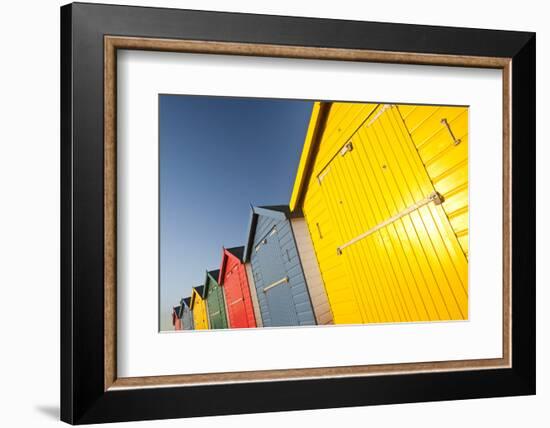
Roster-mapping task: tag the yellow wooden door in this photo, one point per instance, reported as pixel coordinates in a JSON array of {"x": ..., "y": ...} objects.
[
  {"x": 199, "y": 314},
  {"x": 440, "y": 135},
  {"x": 398, "y": 247}
]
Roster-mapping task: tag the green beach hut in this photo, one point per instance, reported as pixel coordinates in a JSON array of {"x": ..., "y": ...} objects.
[{"x": 215, "y": 301}]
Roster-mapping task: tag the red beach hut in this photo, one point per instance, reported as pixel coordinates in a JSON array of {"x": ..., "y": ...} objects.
[
  {"x": 176, "y": 320},
  {"x": 233, "y": 279}
]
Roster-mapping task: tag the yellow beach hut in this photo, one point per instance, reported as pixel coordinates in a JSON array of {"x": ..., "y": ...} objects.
[
  {"x": 384, "y": 192},
  {"x": 198, "y": 307}
]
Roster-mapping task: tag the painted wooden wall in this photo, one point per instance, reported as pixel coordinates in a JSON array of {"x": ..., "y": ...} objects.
[
  {"x": 176, "y": 321},
  {"x": 254, "y": 295},
  {"x": 187, "y": 319},
  {"x": 217, "y": 315},
  {"x": 373, "y": 162},
  {"x": 186, "y": 315},
  {"x": 200, "y": 316},
  {"x": 310, "y": 266},
  {"x": 275, "y": 257},
  {"x": 446, "y": 163},
  {"x": 240, "y": 312}
]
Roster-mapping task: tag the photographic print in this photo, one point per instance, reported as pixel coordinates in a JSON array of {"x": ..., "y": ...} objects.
[
  {"x": 300, "y": 192},
  {"x": 288, "y": 213}
]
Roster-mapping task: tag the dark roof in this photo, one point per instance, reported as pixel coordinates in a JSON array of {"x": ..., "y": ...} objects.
[
  {"x": 237, "y": 252},
  {"x": 207, "y": 281},
  {"x": 279, "y": 212},
  {"x": 183, "y": 303},
  {"x": 214, "y": 274},
  {"x": 280, "y": 208},
  {"x": 200, "y": 290}
]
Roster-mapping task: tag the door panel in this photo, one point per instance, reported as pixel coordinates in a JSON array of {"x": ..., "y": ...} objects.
[
  {"x": 413, "y": 268},
  {"x": 337, "y": 281},
  {"x": 246, "y": 308},
  {"x": 216, "y": 307},
  {"x": 278, "y": 297},
  {"x": 445, "y": 158},
  {"x": 213, "y": 309},
  {"x": 199, "y": 315},
  {"x": 235, "y": 298}
]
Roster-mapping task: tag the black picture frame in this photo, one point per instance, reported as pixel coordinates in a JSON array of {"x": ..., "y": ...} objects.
[{"x": 83, "y": 398}]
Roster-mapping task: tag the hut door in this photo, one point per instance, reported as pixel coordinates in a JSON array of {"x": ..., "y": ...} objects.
[
  {"x": 217, "y": 315},
  {"x": 235, "y": 298},
  {"x": 188, "y": 319},
  {"x": 397, "y": 243},
  {"x": 245, "y": 296},
  {"x": 275, "y": 284},
  {"x": 201, "y": 315}
]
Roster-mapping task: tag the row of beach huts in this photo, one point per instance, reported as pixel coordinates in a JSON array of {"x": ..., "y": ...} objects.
[{"x": 376, "y": 229}]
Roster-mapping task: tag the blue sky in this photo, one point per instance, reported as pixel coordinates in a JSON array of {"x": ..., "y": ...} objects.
[{"x": 218, "y": 155}]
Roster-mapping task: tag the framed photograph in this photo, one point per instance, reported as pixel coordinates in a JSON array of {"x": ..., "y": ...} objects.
[{"x": 291, "y": 213}]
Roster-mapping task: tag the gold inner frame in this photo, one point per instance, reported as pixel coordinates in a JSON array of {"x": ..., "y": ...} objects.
[{"x": 113, "y": 43}]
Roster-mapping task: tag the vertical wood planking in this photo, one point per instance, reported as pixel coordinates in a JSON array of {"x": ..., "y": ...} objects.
[
  {"x": 282, "y": 241},
  {"x": 200, "y": 316},
  {"x": 315, "y": 285},
  {"x": 415, "y": 268},
  {"x": 254, "y": 295},
  {"x": 446, "y": 163},
  {"x": 238, "y": 300}
]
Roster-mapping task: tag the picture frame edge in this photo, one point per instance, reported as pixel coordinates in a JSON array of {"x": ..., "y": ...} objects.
[{"x": 83, "y": 403}]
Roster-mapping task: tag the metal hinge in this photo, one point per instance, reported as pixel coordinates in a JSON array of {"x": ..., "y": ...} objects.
[
  {"x": 348, "y": 147},
  {"x": 434, "y": 197}
]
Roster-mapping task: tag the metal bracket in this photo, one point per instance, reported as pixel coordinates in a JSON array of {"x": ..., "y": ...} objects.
[
  {"x": 323, "y": 174},
  {"x": 262, "y": 242},
  {"x": 348, "y": 147},
  {"x": 456, "y": 141},
  {"x": 434, "y": 197},
  {"x": 276, "y": 283}
]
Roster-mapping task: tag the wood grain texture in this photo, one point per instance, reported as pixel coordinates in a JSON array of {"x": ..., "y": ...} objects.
[
  {"x": 413, "y": 269},
  {"x": 507, "y": 214},
  {"x": 112, "y": 43},
  {"x": 297, "y": 374},
  {"x": 264, "y": 50},
  {"x": 314, "y": 281},
  {"x": 110, "y": 221}
]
